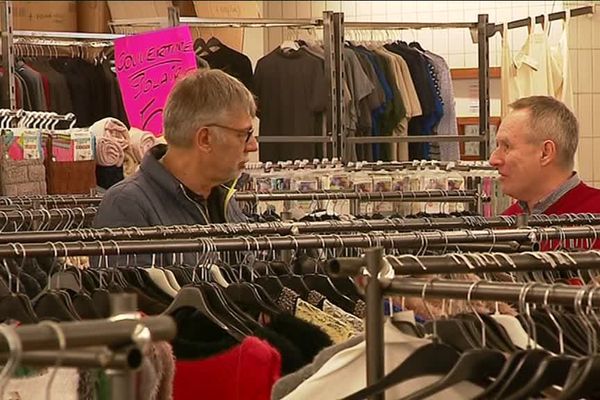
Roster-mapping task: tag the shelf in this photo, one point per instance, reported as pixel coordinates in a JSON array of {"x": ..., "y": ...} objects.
[{"x": 473, "y": 73}]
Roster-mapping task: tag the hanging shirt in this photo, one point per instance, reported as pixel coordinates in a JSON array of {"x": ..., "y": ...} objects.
[
  {"x": 292, "y": 95},
  {"x": 232, "y": 62},
  {"x": 447, "y": 124}
]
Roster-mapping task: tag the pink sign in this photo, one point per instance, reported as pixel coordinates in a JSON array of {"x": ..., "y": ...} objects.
[{"x": 147, "y": 67}]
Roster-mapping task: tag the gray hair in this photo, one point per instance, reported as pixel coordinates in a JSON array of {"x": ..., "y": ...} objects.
[
  {"x": 550, "y": 119},
  {"x": 201, "y": 98}
]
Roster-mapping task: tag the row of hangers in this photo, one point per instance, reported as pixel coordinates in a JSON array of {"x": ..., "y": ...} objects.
[{"x": 477, "y": 348}]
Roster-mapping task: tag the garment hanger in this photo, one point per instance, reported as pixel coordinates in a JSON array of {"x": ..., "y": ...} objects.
[
  {"x": 252, "y": 297},
  {"x": 582, "y": 381},
  {"x": 54, "y": 304},
  {"x": 519, "y": 363},
  {"x": 15, "y": 306},
  {"x": 323, "y": 284},
  {"x": 434, "y": 358},
  {"x": 553, "y": 370},
  {"x": 475, "y": 365},
  {"x": 15, "y": 347}
]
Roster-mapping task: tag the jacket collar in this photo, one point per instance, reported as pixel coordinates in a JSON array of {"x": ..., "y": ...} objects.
[{"x": 152, "y": 168}]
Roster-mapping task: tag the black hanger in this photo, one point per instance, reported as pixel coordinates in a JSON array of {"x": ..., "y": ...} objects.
[
  {"x": 553, "y": 371},
  {"x": 54, "y": 305},
  {"x": 476, "y": 366},
  {"x": 213, "y": 42},
  {"x": 582, "y": 381},
  {"x": 453, "y": 333},
  {"x": 522, "y": 373},
  {"x": 17, "y": 306},
  {"x": 221, "y": 305},
  {"x": 247, "y": 296},
  {"x": 194, "y": 297},
  {"x": 430, "y": 359},
  {"x": 509, "y": 366},
  {"x": 200, "y": 46}
]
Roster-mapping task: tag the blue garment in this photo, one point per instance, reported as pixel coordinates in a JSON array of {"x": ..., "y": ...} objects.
[{"x": 389, "y": 96}]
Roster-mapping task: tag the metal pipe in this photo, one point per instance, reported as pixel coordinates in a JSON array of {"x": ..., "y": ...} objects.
[
  {"x": 374, "y": 320},
  {"x": 293, "y": 228},
  {"x": 386, "y": 240},
  {"x": 88, "y": 333},
  {"x": 483, "y": 52},
  {"x": 575, "y": 12},
  {"x": 472, "y": 263},
  {"x": 488, "y": 291},
  {"x": 408, "y": 25},
  {"x": 413, "y": 139},
  {"x": 411, "y": 196},
  {"x": 128, "y": 358},
  {"x": 122, "y": 305}
]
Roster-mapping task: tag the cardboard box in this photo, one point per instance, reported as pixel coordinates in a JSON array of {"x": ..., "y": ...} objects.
[
  {"x": 186, "y": 8},
  {"x": 138, "y": 9},
  {"x": 232, "y": 37},
  {"x": 93, "y": 16},
  {"x": 45, "y": 16}
]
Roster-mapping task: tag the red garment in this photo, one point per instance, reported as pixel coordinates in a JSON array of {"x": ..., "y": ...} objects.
[
  {"x": 581, "y": 199},
  {"x": 245, "y": 372}
]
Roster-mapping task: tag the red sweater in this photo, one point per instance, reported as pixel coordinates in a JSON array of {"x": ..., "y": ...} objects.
[
  {"x": 245, "y": 372},
  {"x": 581, "y": 199}
]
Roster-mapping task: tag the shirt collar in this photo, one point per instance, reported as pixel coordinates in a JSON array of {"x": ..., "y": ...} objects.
[{"x": 553, "y": 197}]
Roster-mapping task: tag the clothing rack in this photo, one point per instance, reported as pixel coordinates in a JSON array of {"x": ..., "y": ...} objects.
[
  {"x": 412, "y": 240},
  {"x": 332, "y": 64},
  {"x": 293, "y": 228},
  {"x": 483, "y": 28},
  {"x": 115, "y": 344},
  {"x": 34, "y": 119},
  {"x": 540, "y": 19},
  {"x": 428, "y": 195},
  {"x": 375, "y": 289}
]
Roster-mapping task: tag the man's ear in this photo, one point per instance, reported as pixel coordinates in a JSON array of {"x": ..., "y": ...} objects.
[
  {"x": 548, "y": 152},
  {"x": 203, "y": 139}
]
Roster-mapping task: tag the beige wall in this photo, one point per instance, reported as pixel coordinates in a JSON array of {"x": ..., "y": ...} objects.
[{"x": 584, "y": 44}]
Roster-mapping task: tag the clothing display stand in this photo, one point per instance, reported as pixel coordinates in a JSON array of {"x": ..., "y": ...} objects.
[
  {"x": 483, "y": 34},
  {"x": 376, "y": 287},
  {"x": 332, "y": 62},
  {"x": 408, "y": 240},
  {"x": 115, "y": 344}
]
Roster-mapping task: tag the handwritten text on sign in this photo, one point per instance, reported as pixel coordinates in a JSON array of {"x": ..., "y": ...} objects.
[{"x": 147, "y": 67}]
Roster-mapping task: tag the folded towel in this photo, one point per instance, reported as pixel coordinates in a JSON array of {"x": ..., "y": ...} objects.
[
  {"x": 140, "y": 143},
  {"x": 112, "y": 138}
]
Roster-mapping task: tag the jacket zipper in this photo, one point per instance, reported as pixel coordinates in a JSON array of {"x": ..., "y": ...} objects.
[{"x": 204, "y": 214}]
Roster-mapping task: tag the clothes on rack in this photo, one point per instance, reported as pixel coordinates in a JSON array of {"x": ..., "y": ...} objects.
[
  {"x": 69, "y": 85},
  {"x": 538, "y": 68},
  {"x": 291, "y": 94},
  {"x": 220, "y": 56},
  {"x": 410, "y": 93}
]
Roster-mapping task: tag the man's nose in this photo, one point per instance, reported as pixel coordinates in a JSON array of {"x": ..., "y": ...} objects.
[
  {"x": 251, "y": 145},
  {"x": 495, "y": 159}
]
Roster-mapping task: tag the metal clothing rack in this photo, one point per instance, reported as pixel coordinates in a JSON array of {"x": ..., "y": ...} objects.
[
  {"x": 332, "y": 67},
  {"x": 484, "y": 31},
  {"x": 115, "y": 344},
  {"x": 375, "y": 288},
  {"x": 540, "y": 19},
  {"x": 204, "y": 245},
  {"x": 297, "y": 228}
]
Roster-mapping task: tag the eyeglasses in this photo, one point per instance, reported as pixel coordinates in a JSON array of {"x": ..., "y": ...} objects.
[{"x": 248, "y": 132}]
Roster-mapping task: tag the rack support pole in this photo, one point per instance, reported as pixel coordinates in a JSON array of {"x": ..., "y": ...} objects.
[
  {"x": 121, "y": 380},
  {"x": 8, "y": 56},
  {"x": 374, "y": 329},
  {"x": 483, "y": 46}
]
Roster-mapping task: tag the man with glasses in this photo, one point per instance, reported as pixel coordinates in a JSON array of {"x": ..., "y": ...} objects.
[{"x": 208, "y": 129}]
